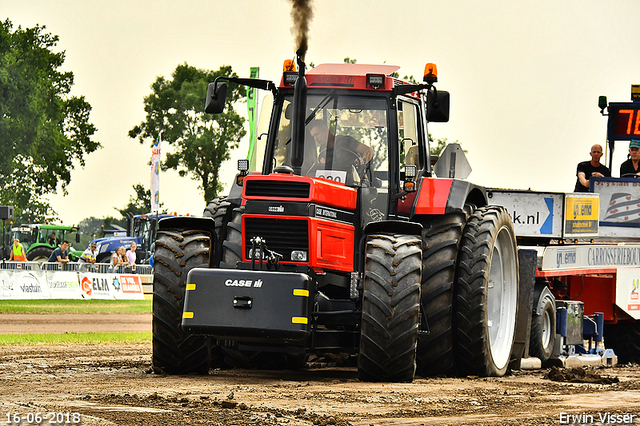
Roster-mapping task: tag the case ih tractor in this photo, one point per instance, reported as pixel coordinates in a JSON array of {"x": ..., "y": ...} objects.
[{"x": 343, "y": 241}]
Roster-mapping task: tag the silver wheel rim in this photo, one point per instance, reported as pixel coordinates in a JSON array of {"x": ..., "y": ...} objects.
[
  {"x": 502, "y": 298},
  {"x": 546, "y": 329}
]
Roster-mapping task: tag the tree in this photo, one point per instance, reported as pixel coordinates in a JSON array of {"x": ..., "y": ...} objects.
[
  {"x": 140, "y": 204},
  {"x": 43, "y": 130},
  {"x": 200, "y": 142}
]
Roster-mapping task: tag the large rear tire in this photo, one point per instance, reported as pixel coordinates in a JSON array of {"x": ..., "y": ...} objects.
[
  {"x": 543, "y": 324},
  {"x": 39, "y": 254},
  {"x": 440, "y": 245},
  {"x": 174, "y": 350},
  {"x": 487, "y": 293},
  {"x": 390, "y": 309},
  {"x": 624, "y": 339}
]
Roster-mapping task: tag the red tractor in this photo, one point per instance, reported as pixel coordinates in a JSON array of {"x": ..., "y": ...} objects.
[{"x": 344, "y": 241}]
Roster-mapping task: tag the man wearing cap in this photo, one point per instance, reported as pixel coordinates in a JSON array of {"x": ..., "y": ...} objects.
[
  {"x": 586, "y": 169},
  {"x": 631, "y": 166}
]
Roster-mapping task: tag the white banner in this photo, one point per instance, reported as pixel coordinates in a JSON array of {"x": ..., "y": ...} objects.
[
  {"x": 64, "y": 285},
  {"x": 95, "y": 286},
  {"x": 628, "y": 291},
  {"x": 30, "y": 285},
  {"x": 155, "y": 173},
  {"x": 6, "y": 285}
]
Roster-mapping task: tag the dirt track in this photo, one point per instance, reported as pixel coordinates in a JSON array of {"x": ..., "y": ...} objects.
[{"x": 112, "y": 384}]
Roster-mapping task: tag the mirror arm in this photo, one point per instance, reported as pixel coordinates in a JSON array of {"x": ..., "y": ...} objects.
[{"x": 250, "y": 82}]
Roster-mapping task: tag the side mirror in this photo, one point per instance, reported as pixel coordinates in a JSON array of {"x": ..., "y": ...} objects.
[
  {"x": 216, "y": 96},
  {"x": 77, "y": 238},
  {"x": 438, "y": 106}
]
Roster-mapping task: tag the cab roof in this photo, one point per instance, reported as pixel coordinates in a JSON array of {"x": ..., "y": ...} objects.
[
  {"x": 348, "y": 76},
  {"x": 353, "y": 69}
]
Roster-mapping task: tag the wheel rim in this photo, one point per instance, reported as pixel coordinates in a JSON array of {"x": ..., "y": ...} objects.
[
  {"x": 502, "y": 298},
  {"x": 546, "y": 329}
]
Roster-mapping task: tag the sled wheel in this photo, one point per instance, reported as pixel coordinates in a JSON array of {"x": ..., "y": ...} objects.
[{"x": 543, "y": 324}]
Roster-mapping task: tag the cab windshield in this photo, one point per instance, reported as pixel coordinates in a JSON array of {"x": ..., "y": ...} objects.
[{"x": 346, "y": 139}]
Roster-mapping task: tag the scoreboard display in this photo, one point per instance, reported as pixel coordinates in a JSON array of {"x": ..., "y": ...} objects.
[{"x": 624, "y": 121}]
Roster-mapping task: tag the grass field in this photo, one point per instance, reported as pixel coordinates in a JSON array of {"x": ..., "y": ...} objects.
[
  {"x": 67, "y": 306},
  {"x": 74, "y": 338},
  {"x": 73, "y": 306}
]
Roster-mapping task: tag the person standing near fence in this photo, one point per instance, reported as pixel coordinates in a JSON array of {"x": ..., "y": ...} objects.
[
  {"x": 60, "y": 254},
  {"x": 17, "y": 252},
  {"x": 89, "y": 255},
  {"x": 131, "y": 253}
]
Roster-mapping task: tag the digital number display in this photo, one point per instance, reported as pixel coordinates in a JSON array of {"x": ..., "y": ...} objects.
[{"x": 624, "y": 121}]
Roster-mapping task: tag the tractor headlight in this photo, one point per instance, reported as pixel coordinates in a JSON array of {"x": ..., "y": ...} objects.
[{"x": 299, "y": 256}]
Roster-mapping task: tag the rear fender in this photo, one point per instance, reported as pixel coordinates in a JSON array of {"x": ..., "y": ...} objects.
[{"x": 442, "y": 196}]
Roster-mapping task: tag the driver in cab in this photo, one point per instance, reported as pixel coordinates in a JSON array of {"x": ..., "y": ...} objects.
[{"x": 331, "y": 144}]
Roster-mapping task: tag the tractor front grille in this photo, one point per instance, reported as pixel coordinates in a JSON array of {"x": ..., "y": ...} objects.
[
  {"x": 277, "y": 189},
  {"x": 281, "y": 235}
]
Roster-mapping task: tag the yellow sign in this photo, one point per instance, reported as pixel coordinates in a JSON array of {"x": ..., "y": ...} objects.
[{"x": 581, "y": 215}]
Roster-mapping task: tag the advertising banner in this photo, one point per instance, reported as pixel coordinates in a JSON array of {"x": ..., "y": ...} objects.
[
  {"x": 127, "y": 287},
  {"x": 6, "y": 285},
  {"x": 534, "y": 214},
  {"x": 29, "y": 285},
  {"x": 63, "y": 285},
  {"x": 581, "y": 218},
  {"x": 628, "y": 291},
  {"x": 95, "y": 286}
]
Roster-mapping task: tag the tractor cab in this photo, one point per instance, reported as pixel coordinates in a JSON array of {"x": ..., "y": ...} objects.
[{"x": 353, "y": 124}]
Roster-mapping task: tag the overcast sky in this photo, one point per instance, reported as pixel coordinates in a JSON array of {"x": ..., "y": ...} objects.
[{"x": 524, "y": 76}]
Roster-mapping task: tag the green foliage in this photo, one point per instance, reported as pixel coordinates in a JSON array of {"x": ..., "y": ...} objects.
[
  {"x": 348, "y": 60},
  {"x": 199, "y": 142},
  {"x": 43, "y": 129},
  {"x": 437, "y": 146},
  {"x": 140, "y": 204}
]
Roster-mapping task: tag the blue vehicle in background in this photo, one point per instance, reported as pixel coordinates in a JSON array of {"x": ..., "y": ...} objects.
[{"x": 141, "y": 229}]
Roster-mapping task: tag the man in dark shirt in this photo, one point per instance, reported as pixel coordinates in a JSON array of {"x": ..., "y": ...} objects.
[
  {"x": 631, "y": 167},
  {"x": 586, "y": 169},
  {"x": 60, "y": 254}
]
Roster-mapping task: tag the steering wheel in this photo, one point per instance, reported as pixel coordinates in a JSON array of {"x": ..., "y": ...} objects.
[
  {"x": 344, "y": 159},
  {"x": 628, "y": 175}
]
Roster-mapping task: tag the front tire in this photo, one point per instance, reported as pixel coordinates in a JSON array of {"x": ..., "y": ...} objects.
[
  {"x": 390, "y": 309},
  {"x": 487, "y": 293},
  {"x": 174, "y": 350}
]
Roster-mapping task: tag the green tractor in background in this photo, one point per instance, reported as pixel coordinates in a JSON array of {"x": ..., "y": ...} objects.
[{"x": 39, "y": 240}]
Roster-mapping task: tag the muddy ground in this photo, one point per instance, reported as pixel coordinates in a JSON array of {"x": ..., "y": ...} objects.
[{"x": 113, "y": 385}]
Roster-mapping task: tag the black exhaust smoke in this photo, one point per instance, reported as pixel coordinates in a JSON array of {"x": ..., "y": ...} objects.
[{"x": 301, "y": 13}]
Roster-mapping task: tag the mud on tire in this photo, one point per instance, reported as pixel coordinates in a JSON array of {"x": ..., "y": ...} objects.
[
  {"x": 390, "y": 308},
  {"x": 486, "y": 293},
  {"x": 174, "y": 350}
]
